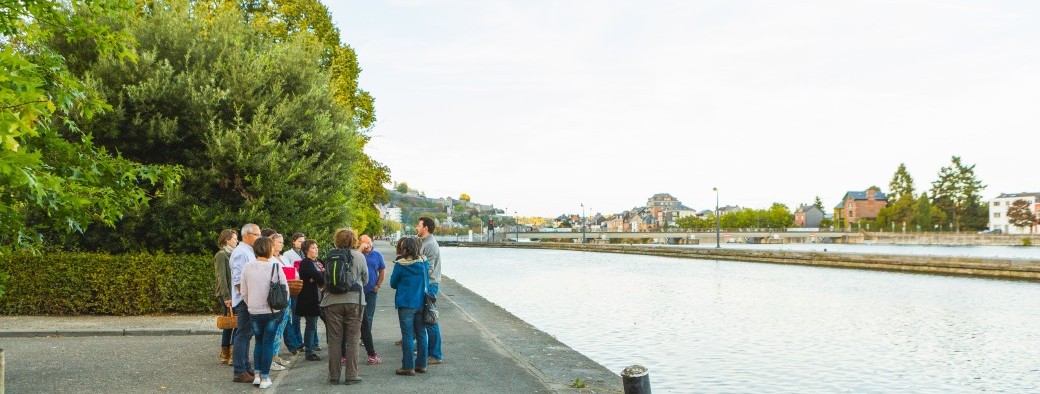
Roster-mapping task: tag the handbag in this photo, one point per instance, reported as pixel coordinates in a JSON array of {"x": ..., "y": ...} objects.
[
  {"x": 278, "y": 296},
  {"x": 430, "y": 313},
  {"x": 228, "y": 322}
]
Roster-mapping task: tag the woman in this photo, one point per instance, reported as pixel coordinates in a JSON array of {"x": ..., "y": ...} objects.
[
  {"x": 409, "y": 279},
  {"x": 293, "y": 335},
  {"x": 285, "y": 266},
  {"x": 343, "y": 311},
  {"x": 307, "y": 301},
  {"x": 226, "y": 242},
  {"x": 257, "y": 276}
]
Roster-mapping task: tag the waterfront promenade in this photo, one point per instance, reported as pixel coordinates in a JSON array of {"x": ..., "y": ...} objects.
[{"x": 486, "y": 350}]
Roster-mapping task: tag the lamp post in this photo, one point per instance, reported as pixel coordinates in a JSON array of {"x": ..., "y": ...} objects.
[
  {"x": 582, "y": 223},
  {"x": 718, "y": 231},
  {"x": 516, "y": 226}
]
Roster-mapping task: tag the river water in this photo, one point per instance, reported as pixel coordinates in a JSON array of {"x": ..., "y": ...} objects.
[{"x": 734, "y": 327}]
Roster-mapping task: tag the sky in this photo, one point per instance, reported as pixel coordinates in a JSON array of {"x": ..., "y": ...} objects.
[{"x": 540, "y": 106}]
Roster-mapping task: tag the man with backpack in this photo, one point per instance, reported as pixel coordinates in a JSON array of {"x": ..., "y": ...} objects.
[{"x": 343, "y": 302}]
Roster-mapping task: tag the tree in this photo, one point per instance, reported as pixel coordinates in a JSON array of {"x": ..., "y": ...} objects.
[
  {"x": 923, "y": 213},
  {"x": 52, "y": 175},
  {"x": 250, "y": 118},
  {"x": 957, "y": 193},
  {"x": 902, "y": 185},
  {"x": 1019, "y": 214},
  {"x": 693, "y": 222},
  {"x": 464, "y": 197},
  {"x": 402, "y": 188},
  {"x": 819, "y": 204}
]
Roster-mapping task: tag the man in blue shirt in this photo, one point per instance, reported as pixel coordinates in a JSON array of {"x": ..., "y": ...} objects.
[
  {"x": 242, "y": 254},
  {"x": 375, "y": 264}
]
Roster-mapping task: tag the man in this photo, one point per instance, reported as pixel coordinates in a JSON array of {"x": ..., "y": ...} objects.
[
  {"x": 430, "y": 249},
  {"x": 243, "y": 253},
  {"x": 375, "y": 264}
]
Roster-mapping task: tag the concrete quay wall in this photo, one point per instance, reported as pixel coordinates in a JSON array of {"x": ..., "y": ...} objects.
[
  {"x": 1024, "y": 269},
  {"x": 952, "y": 239}
]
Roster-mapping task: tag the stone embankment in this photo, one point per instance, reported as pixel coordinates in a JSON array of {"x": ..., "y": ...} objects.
[
  {"x": 1026, "y": 269},
  {"x": 952, "y": 239}
]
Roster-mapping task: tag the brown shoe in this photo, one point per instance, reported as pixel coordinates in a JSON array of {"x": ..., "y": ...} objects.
[
  {"x": 244, "y": 377},
  {"x": 433, "y": 361},
  {"x": 225, "y": 355},
  {"x": 405, "y": 372},
  {"x": 420, "y": 370}
]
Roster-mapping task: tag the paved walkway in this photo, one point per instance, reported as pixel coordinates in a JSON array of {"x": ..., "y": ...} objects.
[{"x": 486, "y": 350}]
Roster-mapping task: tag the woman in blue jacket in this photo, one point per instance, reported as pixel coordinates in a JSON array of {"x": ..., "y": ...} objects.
[{"x": 409, "y": 279}]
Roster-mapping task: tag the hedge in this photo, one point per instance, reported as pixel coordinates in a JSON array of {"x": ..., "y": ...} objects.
[{"x": 74, "y": 283}]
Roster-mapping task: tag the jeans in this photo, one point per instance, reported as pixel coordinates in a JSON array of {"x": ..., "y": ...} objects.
[
  {"x": 434, "y": 332},
  {"x": 293, "y": 336},
  {"x": 226, "y": 336},
  {"x": 243, "y": 335},
  {"x": 282, "y": 322},
  {"x": 310, "y": 335},
  {"x": 366, "y": 324},
  {"x": 413, "y": 338},
  {"x": 265, "y": 326},
  {"x": 343, "y": 326}
]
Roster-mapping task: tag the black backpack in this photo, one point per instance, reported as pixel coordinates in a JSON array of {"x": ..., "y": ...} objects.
[{"x": 339, "y": 272}]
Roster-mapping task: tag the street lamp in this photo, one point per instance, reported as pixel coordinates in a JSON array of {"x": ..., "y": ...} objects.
[
  {"x": 718, "y": 231},
  {"x": 583, "y": 223}
]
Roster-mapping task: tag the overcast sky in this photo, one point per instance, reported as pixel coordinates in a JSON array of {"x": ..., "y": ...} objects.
[{"x": 538, "y": 106}]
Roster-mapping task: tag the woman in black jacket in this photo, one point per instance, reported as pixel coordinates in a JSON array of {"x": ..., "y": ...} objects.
[{"x": 313, "y": 275}]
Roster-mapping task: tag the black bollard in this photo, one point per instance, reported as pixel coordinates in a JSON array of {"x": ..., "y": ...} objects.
[{"x": 636, "y": 380}]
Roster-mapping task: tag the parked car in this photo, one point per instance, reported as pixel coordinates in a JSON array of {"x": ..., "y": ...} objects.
[{"x": 993, "y": 231}]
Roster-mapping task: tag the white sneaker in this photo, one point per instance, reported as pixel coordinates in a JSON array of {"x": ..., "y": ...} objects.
[
  {"x": 276, "y": 367},
  {"x": 281, "y": 361},
  {"x": 256, "y": 378},
  {"x": 266, "y": 383}
]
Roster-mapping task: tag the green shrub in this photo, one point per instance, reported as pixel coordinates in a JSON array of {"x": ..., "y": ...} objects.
[
  {"x": 1027, "y": 242},
  {"x": 72, "y": 283}
]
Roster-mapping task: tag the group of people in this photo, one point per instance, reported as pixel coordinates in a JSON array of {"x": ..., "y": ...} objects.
[{"x": 246, "y": 267}]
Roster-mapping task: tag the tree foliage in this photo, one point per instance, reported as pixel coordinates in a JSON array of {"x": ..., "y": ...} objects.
[
  {"x": 250, "y": 114},
  {"x": 902, "y": 184},
  {"x": 957, "y": 193},
  {"x": 1020, "y": 214},
  {"x": 52, "y": 174}
]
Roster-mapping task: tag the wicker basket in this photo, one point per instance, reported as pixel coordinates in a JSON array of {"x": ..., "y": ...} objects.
[
  {"x": 295, "y": 286},
  {"x": 228, "y": 322}
]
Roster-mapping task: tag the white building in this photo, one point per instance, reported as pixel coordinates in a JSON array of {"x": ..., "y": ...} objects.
[
  {"x": 387, "y": 212},
  {"x": 998, "y": 208}
]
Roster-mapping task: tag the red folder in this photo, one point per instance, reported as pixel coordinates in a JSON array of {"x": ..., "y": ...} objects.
[{"x": 290, "y": 273}]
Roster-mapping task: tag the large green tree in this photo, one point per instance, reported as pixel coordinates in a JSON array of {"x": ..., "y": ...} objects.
[
  {"x": 901, "y": 185},
  {"x": 252, "y": 118},
  {"x": 53, "y": 176},
  {"x": 957, "y": 193}
]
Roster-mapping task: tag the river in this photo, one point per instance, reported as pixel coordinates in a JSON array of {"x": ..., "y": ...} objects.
[{"x": 733, "y": 327}]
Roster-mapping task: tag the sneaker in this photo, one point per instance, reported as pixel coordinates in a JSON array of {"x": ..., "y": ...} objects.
[
  {"x": 405, "y": 372},
  {"x": 256, "y": 378},
  {"x": 374, "y": 359},
  {"x": 281, "y": 361},
  {"x": 434, "y": 361},
  {"x": 313, "y": 357},
  {"x": 352, "y": 381},
  {"x": 420, "y": 370},
  {"x": 277, "y": 367},
  {"x": 265, "y": 383}
]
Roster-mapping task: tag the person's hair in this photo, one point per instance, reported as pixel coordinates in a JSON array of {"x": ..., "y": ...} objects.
[
  {"x": 224, "y": 237},
  {"x": 263, "y": 247},
  {"x": 428, "y": 223},
  {"x": 306, "y": 246},
  {"x": 267, "y": 232},
  {"x": 294, "y": 237},
  {"x": 344, "y": 239},
  {"x": 248, "y": 228},
  {"x": 408, "y": 247},
  {"x": 276, "y": 235}
]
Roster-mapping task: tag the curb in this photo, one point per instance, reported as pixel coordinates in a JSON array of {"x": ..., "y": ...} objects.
[{"x": 106, "y": 332}]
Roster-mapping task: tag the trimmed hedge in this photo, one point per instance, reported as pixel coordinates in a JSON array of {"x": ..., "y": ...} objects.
[{"x": 73, "y": 283}]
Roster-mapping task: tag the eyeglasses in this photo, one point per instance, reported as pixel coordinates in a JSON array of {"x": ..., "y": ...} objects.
[{"x": 255, "y": 234}]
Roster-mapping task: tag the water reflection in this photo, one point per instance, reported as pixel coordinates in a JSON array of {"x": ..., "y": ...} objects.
[{"x": 708, "y": 326}]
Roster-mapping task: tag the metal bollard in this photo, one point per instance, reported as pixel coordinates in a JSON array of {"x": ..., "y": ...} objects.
[{"x": 635, "y": 379}]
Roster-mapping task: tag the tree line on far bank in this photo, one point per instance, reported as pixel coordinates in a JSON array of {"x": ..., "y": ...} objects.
[{"x": 152, "y": 125}]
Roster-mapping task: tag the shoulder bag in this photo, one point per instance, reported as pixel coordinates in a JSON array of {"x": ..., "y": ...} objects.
[{"x": 277, "y": 297}]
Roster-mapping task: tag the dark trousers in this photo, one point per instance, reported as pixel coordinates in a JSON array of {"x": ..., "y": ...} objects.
[
  {"x": 366, "y": 324},
  {"x": 243, "y": 335}
]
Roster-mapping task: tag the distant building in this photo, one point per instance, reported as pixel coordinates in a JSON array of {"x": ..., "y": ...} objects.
[
  {"x": 389, "y": 212},
  {"x": 808, "y": 216},
  {"x": 859, "y": 206},
  {"x": 998, "y": 208}
]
